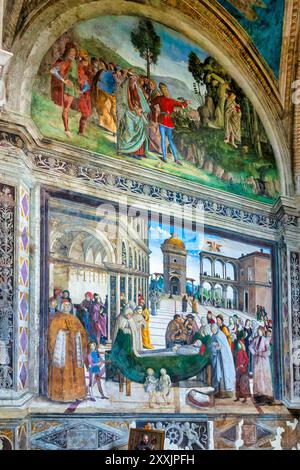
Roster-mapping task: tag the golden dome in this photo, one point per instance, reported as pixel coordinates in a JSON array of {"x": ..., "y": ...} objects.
[{"x": 174, "y": 241}]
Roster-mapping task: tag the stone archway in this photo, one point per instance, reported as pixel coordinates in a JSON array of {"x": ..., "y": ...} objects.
[
  {"x": 175, "y": 286},
  {"x": 216, "y": 33}
]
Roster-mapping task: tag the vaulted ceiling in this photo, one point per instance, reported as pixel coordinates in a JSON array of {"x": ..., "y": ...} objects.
[{"x": 261, "y": 19}]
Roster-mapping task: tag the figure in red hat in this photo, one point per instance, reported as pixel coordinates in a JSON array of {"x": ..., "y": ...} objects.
[{"x": 67, "y": 351}]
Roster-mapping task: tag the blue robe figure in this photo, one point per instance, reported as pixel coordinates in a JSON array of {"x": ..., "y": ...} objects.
[
  {"x": 153, "y": 307},
  {"x": 95, "y": 363}
]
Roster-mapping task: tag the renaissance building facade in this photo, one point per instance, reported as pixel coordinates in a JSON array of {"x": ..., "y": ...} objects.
[
  {"x": 103, "y": 148},
  {"x": 240, "y": 283}
]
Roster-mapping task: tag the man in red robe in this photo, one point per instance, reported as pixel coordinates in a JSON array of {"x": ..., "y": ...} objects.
[
  {"x": 166, "y": 125},
  {"x": 70, "y": 87},
  {"x": 242, "y": 379},
  {"x": 67, "y": 350}
]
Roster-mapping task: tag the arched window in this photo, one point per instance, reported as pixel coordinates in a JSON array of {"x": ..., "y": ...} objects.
[
  {"x": 219, "y": 269},
  {"x": 206, "y": 291},
  {"x": 207, "y": 267},
  {"x": 230, "y": 272},
  {"x": 218, "y": 293},
  {"x": 130, "y": 258}
]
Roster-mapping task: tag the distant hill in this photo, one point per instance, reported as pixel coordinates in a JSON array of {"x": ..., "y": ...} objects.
[
  {"x": 96, "y": 48},
  {"x": 178, "y": 89}
]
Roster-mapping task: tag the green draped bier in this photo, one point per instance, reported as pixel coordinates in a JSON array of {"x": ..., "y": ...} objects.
[{"x": 134, "y": 368}]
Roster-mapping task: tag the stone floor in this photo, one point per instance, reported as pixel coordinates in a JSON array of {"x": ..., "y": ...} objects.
[{"x": 138, "y": 403}]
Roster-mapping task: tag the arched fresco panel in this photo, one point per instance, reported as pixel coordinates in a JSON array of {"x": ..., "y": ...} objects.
[{"x": 142, "y": 93}]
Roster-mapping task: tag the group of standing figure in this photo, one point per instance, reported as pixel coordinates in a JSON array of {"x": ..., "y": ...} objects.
[
  {"x": 128, "y": 105},
  {"x": 136, "y": 319},
  {"x": 237, "y": 352},
  {"x": 76, "y": 338},
  {"x": 92, "y": 313},
  {"x": 77, "y": 334}
]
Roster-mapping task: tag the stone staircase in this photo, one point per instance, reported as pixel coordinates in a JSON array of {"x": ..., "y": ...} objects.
[{"x": 159, "y": 323}]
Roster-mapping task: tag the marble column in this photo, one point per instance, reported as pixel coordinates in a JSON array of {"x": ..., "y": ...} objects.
[
  {"x": 126, "y": 287},
  {"x": 212, "y": 293},
  {"x": 225, "y": 296}
]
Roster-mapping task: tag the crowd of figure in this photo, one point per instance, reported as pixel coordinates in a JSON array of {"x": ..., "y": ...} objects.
[
  {"x": 128, "y": 104},
  {"x": 238, "y": 351},
  {"x": 76, "y": 338},
  {"x": 92, "y": 312},
  {"x": 78, "y": 333},
  {"x": 136, "y": 319}
]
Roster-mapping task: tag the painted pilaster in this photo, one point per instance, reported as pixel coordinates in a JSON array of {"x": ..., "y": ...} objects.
[
  {"x": 16, "y": 243},
  {"x": 289, "y": 315}
]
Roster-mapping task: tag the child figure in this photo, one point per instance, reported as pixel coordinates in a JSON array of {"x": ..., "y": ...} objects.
[
  {"x": 164, "y": 386},
  {"x": 150, "y": 386},
  {"x": 95, "y": 363}
]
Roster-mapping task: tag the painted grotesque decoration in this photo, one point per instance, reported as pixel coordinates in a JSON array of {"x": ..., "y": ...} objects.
[{"x": 133, "y": 89}]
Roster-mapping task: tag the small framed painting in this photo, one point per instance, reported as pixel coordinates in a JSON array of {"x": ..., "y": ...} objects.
[{"x": 144, "y": 439}]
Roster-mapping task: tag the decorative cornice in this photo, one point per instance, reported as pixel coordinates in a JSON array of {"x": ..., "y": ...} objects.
[{"x": 272, "y": 219}]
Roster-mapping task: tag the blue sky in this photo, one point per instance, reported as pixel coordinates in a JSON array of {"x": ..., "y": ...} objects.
[
  {"x": 265, "y": 31},
  {"x": 114, "y": 32},
  {"x": 195, "y": 242}
]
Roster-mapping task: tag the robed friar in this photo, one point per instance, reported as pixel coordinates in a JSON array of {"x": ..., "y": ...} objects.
[{"x": 67, "y": 345}]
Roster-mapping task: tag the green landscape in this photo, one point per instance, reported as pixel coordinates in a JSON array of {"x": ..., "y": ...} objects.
[{"x": 249, "y": 170}]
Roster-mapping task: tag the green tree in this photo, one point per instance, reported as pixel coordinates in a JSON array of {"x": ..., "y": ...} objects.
[
  {"x": 197, "y": 70},
  {"x": 147, "y": 43}
]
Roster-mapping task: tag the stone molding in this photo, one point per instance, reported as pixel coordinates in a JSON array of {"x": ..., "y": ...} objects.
[{"x": 231, "y": 207}]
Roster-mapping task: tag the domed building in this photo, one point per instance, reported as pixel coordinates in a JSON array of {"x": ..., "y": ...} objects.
[{"x": 174, "y": 259}]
